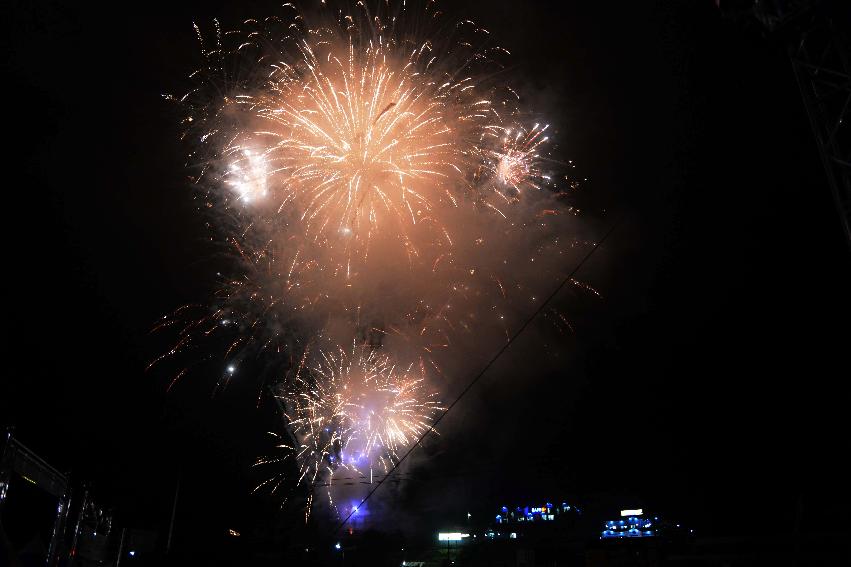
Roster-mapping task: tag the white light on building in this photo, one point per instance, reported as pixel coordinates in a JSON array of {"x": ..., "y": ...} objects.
[{"x": 451, "y": 536}]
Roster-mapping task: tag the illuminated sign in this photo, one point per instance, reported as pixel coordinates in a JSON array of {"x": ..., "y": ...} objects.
[
  {"x": 636, "y": 512},
  {"x": 451, "y": 536}
]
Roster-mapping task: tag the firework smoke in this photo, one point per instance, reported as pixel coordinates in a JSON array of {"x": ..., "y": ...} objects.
[{"x": 377, "y": 186}]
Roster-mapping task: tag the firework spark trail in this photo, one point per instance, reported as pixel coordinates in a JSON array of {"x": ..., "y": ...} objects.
[{"x": 369, "y": 178}]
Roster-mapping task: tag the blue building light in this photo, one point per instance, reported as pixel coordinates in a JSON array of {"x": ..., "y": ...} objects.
[
  {"x": 630, "y": 527},
  {"x": 546, "y": 512}
]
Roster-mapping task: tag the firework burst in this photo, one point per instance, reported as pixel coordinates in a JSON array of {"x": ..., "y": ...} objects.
[
  {"x": 368, "y": 174},
  {"x": 352, "y": 410},
  {"x": 517, "y": 165}
]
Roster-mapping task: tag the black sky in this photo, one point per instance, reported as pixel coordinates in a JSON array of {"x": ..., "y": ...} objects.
[{"x": 707, "y": 381}]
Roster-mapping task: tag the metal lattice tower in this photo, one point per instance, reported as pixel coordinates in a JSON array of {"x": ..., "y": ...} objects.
[{"x": 816, "y": 33}]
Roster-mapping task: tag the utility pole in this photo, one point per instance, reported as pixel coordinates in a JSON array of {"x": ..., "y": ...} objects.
[
  {"x": 83, "y": 505},
  {"x": 173, "y": 516},
  {"x": 121, "y": 547}
]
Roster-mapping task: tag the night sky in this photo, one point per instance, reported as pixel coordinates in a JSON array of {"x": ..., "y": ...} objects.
[{"x": 706, "y": 382}]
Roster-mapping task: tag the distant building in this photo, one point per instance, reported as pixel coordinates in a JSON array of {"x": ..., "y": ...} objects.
[
  {"x": 631, "y": 526},
  {"x": 541, "y": 513},
  {"x": 637, "y": 524}
]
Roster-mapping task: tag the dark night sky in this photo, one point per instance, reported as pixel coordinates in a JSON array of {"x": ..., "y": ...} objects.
[{"x": 706, "y": 381}]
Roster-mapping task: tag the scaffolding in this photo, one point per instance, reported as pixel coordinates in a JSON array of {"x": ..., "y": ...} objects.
[{"x": 17, "y": 459}]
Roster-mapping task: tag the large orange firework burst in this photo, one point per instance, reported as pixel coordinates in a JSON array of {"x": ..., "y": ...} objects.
[{"x": 358, "y": 128}]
